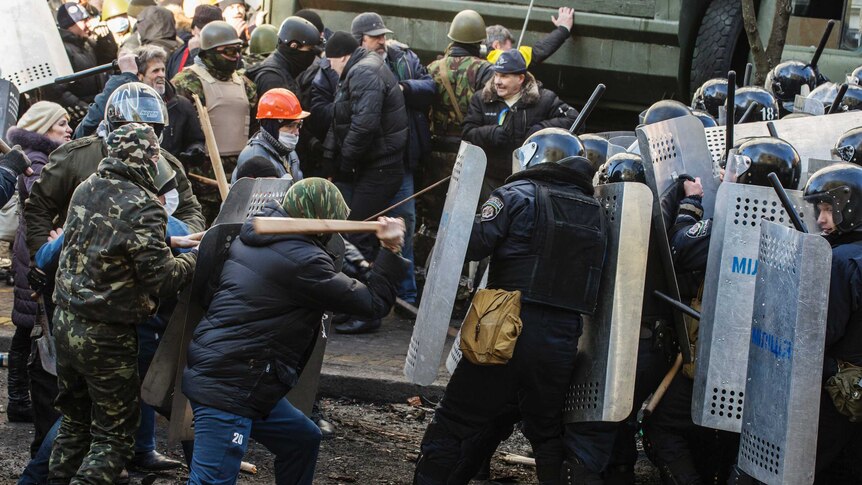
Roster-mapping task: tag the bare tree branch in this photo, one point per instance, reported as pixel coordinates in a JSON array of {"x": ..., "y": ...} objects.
[{"x": 766, "y": 58}]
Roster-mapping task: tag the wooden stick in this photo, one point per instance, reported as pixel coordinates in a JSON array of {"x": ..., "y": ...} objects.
[
  {"x": 287, "y": 225},
  {"x": 408, "y": 199},
  {"x": 662, "y": 388},
  {"x": 4, "y": 147},
  {"x": 204, "y": 180},
  {"x": 514, "y": 459},
  {"x": 212, "y": 147},
  {"x": 248, "y": 468}
]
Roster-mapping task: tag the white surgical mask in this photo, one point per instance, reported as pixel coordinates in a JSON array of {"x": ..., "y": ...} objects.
[
  {"x": 118, "y": 25},
  {"x": 172, "y": 201},
  {"x": 288, "y": 139}
]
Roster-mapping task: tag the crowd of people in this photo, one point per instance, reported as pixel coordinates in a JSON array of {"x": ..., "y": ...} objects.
[{"x": 118, "y": 183}]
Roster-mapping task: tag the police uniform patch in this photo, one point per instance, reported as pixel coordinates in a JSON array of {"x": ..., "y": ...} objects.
[
  {"x": 491, "y": 208},
  {"x": 701, "y": 229}
]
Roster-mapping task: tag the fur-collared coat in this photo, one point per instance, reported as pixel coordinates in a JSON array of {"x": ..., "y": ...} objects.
[{"x": 499, "y": 134}]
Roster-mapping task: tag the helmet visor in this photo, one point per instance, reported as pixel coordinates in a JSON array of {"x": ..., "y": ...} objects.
[
  {"x": 526, "y": 153},
  {"x": 138, "y": 109},
  {"x": 837, "y": 197}
]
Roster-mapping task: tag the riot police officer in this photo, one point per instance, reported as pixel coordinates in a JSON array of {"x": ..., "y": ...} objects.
[
  {"x": 836, "y": 192},
  {"x": 685, "y": 453},
  {"x": 526, "y": 256}
]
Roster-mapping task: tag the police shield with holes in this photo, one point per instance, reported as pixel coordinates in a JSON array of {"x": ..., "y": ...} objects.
[
  {"x": 546, "y": 236},
  {"x": 731, "y": 270},
  {"x": 785, "y": 357}
]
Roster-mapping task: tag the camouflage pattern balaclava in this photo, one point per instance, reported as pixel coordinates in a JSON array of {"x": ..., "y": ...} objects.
[
  {"x": 315, "y": 198},
  {"x": 136, "y": 144}
]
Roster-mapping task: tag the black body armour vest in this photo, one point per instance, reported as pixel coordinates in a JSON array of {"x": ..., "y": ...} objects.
[{"x": 567, "y": 252}]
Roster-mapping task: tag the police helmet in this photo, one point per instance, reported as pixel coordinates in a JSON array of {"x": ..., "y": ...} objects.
[
  {"x": 264, "y": 39},
  {"x": 841, "y": 186},
  {"x": 298, "y": 30},
  {"x": 622, "y": 167},
  {"x": 763, "y": 155},
  {"x": 848, "y": 148},
  {"x": 217, "y": 34},
  {"x": 705, "y": 118},
  {"x": 549, "y": 145},
  {"x": 788, "y": 79},
  {"x": 136, "y": 102},
  {"x": 767, "y": 105},
  {"x": 595, "y": 149},
  {"x": 665, "y": 109},
  {"x": 710, "y": 96},
  {"x": 468, "y": 27},
  {"x": 855, "y": 77}
]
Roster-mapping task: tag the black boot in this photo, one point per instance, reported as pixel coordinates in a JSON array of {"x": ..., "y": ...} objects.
[
  {"x": 355, "y": 326},
  {"x": 19, "y": 408}
]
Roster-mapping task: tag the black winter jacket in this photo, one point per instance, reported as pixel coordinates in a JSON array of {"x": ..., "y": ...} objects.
[
  {"x": 369, "y": 120},
  {"x": 183, "y": 132},
  {"x": 536, "y": 109},
  {"x": 844, "y": 316},
  {"x": 273, "y": 72},
  {"x": 250, "y": 348}
]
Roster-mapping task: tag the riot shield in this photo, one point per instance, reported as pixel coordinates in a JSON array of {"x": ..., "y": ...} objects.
[
  {"x": 811, "y": 137},
  {"x": 728, "y": 298},
  {"x": 669, "y": 149},
  {"x": 248, "y": 196},
  {"x": 785, "y": 358},
  {"x": 304, "y": 392},
  {"x": 33, "y": 53},
  {"x": 438, "y": 295},
  {"x": 8, "y": 106},
  {"x": 602, "y": 385}
]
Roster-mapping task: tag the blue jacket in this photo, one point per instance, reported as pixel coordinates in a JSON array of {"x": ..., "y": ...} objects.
[{"x": 844, "y": 315}]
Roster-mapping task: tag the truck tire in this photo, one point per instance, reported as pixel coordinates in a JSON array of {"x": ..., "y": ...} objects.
[{"x": 721, "y": 43}]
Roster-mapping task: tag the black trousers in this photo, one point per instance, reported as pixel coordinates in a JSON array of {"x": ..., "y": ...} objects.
[
  {"x": 370, "y": 193},
  {"x": 839, "y": 446},
  {"x": 536, "y": 378}
]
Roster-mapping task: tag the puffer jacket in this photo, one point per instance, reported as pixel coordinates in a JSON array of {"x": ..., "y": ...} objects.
[
  {"x": 262, "y": 144},
  {"x": 250, "y": 348},
  {"x": 369, "y": 122},
  {"x": 536, "y": 109},
  {"x": 36, "y": 147}
]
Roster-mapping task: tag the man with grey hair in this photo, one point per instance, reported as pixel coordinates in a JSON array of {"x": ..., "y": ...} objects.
[
  {"x": 183, "y": 136},
  {"x": 499, "y": 39}
]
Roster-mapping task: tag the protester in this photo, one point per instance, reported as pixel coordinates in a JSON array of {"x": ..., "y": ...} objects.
[
  {"x": 185, "y": 56},
  {"x": 295, "y": 52},
  {"x": 155, "y": 26},
  {"x": 501, "y": 40}
]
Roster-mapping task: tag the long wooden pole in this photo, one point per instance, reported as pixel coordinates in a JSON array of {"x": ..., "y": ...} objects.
[
  {"x": 286, "y": 225},
  {"x": 408, "y": 199},
  {"x": 212, "y": 147}
]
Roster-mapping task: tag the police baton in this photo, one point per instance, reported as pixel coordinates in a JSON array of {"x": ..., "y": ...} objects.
[
  {"x": 112, "y": 66},
  {"x": 524, "y": 28},
  {"x": 748, "y": 112},
  {"x": 730, "y": 115},
  {"x": 746, "y": 78},
  {"x": 836, "y": 103},
  {"x": 588, "y": 108},
  {"x": 823, "y": 40},
  {"x": 788, "y": 205}
]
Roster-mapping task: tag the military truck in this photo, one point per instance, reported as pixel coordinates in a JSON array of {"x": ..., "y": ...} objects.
[{"x": 643, "y": 50}]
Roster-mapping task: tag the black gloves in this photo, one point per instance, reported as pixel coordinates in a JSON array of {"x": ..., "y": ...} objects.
[{"x": 15, "y": 161}]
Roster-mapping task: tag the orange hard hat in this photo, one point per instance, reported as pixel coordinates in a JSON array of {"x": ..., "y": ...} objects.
[{"x": 280, "y": 104}]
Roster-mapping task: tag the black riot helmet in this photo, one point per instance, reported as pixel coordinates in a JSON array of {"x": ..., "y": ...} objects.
[
  {"x": 298, "y": 30},
  {"x": 548, "y": 145},
  {"x": 705, "y": 118},
  {"x": 826, "y": 93},
  {"x": 595, "y": 148},
  {"x": 136, "y": 102},
  {"x": 855, "y": 77},
  {"x": 762, "y": 155},
  {"x": 788, "y": 79},
  {"x": 841, "y": 186},
  {"x": 665, "y": 109},
  {"x": 849, "y": 146},
  {"x": 767, "y": 105},
  {"x": 622, "y": 167},
  {"x": 710, "y": 95}
]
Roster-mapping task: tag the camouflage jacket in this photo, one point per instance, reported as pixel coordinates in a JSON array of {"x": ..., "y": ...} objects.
[
  {"x": 70, "y": 165},
  {"x": 467, "y": 74},
  {"x": 115, "y": 262}
]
